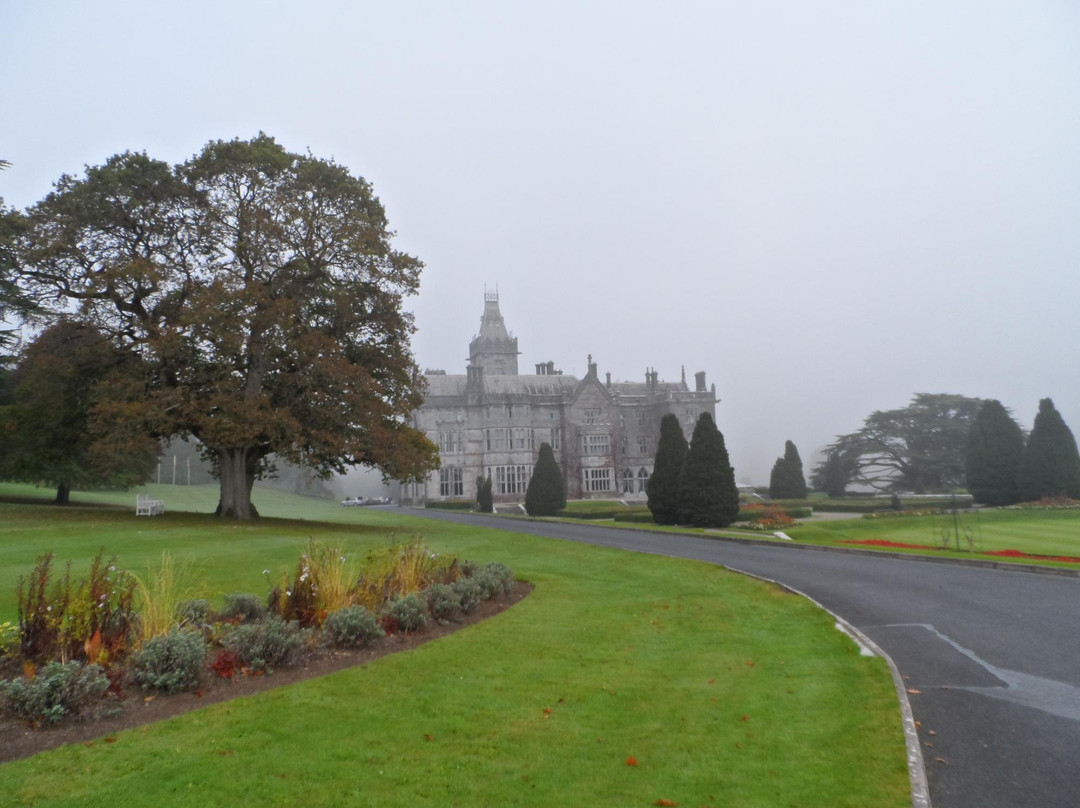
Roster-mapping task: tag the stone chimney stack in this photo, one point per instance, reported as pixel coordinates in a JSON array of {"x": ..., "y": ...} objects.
[{"x": 699, "y": 379}]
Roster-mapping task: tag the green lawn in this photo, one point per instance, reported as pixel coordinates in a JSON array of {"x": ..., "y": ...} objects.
[
  {"x": 1039, "y": 532},
  {"x": 726, "y": 691}
]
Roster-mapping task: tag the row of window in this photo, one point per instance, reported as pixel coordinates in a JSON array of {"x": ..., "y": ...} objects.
[
  {"x": 504, "y": 480},
  {"x": 511, "y": 438},
  {"x": 515, "y": 480}
]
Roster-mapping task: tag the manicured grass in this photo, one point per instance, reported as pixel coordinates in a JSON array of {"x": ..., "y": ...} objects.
[
  {"x": 726, "y": 691},
  {"x": 1039, "y": 532}
]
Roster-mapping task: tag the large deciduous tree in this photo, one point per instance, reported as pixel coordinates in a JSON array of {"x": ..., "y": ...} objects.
[
  {"x": 47, "y": 435},
  {"x": 920, "y": 448},
  {"x": 663, "y": 486},
  {"x": 1050, "y": 464},
  {"x": 787, "y": 480},
  {"x": 708, "y": 496},
  {"x": 546, "y": 494},
  {"x": 260, "y": 289},
  {"x": 994, "y": 447}
]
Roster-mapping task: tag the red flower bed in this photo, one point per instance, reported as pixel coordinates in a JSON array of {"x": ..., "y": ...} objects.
[
  {"x": 1001, "y": 553},
  {"x": 885, "y": 543},
  {"x": 1018, "y": 554}
]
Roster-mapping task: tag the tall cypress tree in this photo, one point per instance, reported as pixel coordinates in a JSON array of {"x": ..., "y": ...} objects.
[
  {"x": 663, "y": 485},
  {"x": 546, "y": 494},
  {"x": 1050, "y": 465},
  {"x": 787, "y": 480},
  {"x": 835, "y": 478},
  {"x": 485, "y": 502},
  {"x": 995, "y": 447},
  {"x": 708, "y": 496}
]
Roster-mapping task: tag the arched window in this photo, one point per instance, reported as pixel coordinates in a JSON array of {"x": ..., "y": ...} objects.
[
  {"x": 628, "y": 482},
  {"x": 642, "y": 480}
]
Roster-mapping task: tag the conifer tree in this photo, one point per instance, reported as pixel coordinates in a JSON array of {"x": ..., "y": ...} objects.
[
  {"x": 708, "y": 496},
  {"x": 835, "y": 479},
  {"x": 787, "y": 480},
  {"x": 546, "y": 494},
  {"x": 1050, "y": 465},
  {"x": 663, "y": 486},
  {"x": 484, "y": 500},
  {"x": 995, "y": 447}
]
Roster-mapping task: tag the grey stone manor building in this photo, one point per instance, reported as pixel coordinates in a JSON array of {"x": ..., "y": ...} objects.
[{"x": 491, "y": 420}]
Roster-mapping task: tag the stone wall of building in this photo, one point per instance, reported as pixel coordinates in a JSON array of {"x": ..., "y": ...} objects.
[{"x": 491, "y": 421}]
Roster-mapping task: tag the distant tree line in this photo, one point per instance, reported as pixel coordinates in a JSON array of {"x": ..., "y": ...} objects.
[{"x": 941, "y": 443}]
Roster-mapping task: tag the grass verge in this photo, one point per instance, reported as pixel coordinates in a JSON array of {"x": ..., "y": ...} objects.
[{"x": 723, "y": 690}]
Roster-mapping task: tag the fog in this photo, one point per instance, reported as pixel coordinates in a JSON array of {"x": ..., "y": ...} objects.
[{"x": 828, "y": 207}]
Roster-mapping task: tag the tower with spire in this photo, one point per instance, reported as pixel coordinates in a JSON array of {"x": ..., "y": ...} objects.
[{"x": 493, "y": 349}]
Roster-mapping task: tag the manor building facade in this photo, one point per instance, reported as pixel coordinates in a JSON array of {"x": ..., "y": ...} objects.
[{"x": 491, "y": 420}]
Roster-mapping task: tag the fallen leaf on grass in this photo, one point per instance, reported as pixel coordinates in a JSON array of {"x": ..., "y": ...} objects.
[
  {"x": 744, "y": 717},
  {"x": 111, "y": 739},
  {"x": 668, "y": 803},
  {"x": 428, "y": 736},
  {"x": 631, "y": 761}
]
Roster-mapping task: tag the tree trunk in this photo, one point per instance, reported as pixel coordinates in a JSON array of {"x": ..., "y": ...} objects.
[
  {"x": 237, "y": 469},
  {"x": 63, "y": 494}
]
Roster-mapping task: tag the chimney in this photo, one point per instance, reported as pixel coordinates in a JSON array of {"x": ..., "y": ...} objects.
[
  {"x": 699, "y": 379},
  {"x": 609, "y": 378},
  {"x": 592, "y": 366}
]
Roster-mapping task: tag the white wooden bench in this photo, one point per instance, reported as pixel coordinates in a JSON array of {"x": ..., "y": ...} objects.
[{"x": 145, "y": 505}]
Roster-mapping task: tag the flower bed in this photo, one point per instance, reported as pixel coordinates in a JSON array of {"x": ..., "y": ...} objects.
[{"x": 78, "y": 650}]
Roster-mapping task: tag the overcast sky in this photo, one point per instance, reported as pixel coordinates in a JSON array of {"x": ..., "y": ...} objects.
[{"x": 827, "y": 206}]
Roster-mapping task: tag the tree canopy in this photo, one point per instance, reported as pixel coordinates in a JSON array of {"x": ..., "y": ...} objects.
[
  {"x": 1050, "y": 464},
  {"x": 663, "y": 486},
  {"x": 708, "y": 496},
  {"x": 260, "y": 289},
  {"x": 47, "y": 435},
  {"x": 920, "y": 448},
  {"x": 546, "y": 494},
  {"x": 994, "y": 447}
]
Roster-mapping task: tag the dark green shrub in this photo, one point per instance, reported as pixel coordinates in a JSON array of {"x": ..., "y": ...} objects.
[
  {"x": 407, "y": 612},
  {"x": 708, "y": 496},
  {"x": 663, "y": 485},
  {"x": 59, "y": 690},
  {"x": 443, "y": 602},
  {"x": 787, "y": 480},
  {"x": 485, "y": 501},
  {"x": 634, "y": 516},
  {"x": 468, "y": 593},
  {"x": 351, "y": 627},
  {"x": 172, "y": 662},
  {"x": 270, "y": 644},
  {"x": 1050, "y": 464},
  {"x": 450, "y": 504},
  {"x": 193, "y": 612},
  {"x": 546, "y": 494},
  {"x": 245, "y": 606},
  {"x": 995, "y": 445}
]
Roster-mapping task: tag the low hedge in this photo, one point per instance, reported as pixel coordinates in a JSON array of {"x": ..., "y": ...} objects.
[
  {"x": 451, "y": 504},
  {"x": 795, "y": 512}
]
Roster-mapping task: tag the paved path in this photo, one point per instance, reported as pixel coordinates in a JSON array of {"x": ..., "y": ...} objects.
[{"x": 993, "y": 654}]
